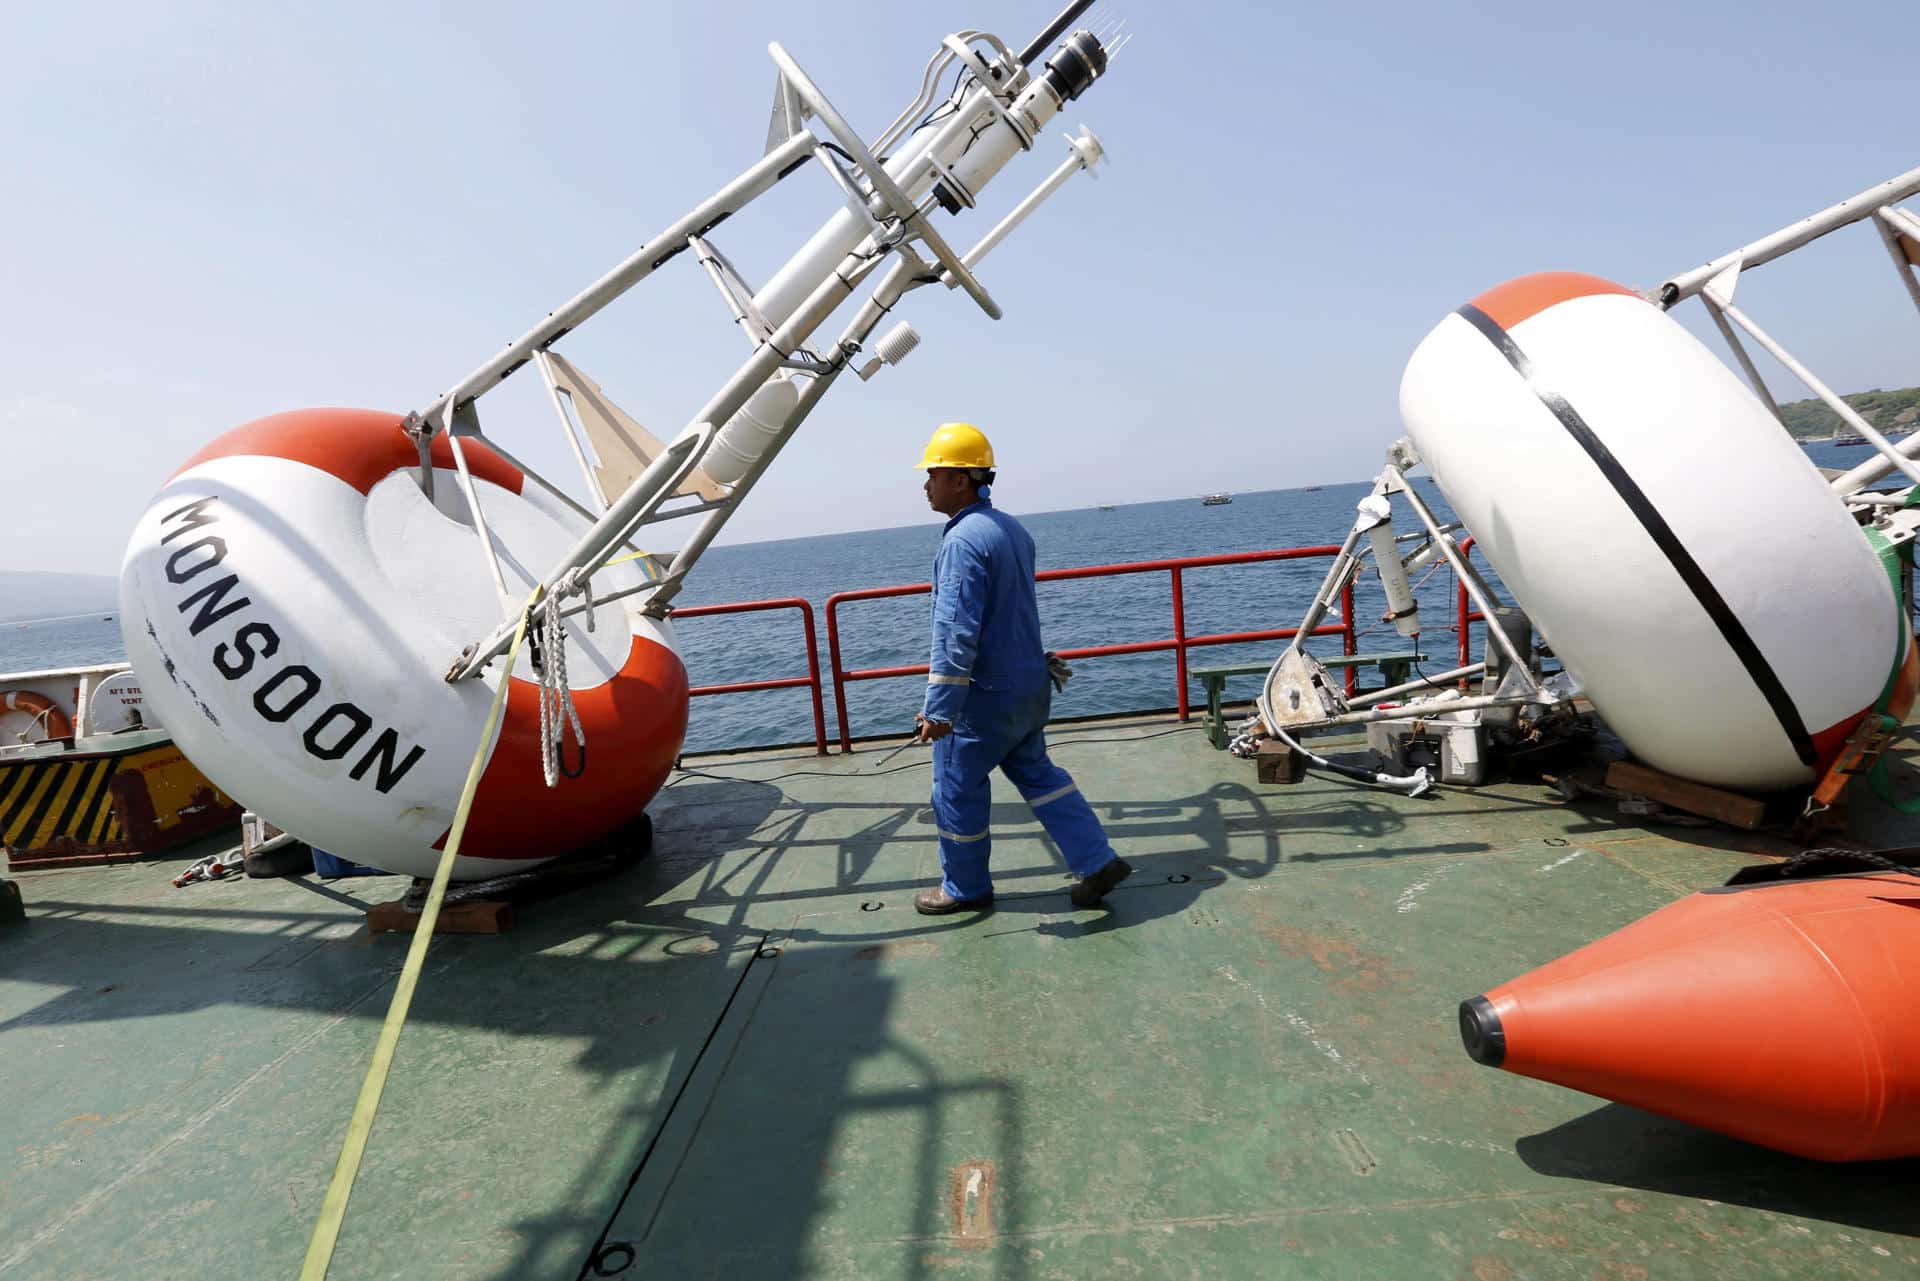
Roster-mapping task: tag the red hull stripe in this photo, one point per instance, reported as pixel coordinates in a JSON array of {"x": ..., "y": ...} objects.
[
  {"x": 1509, "y": 304},
  {"x": 1896, "y": 701},
  {"x": 359, "y": 446},
  {"x": 634, "y": 723},
  {"x": 1829, "y": 742}
]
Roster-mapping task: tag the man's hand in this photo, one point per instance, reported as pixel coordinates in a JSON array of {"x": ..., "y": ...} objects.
[{"x": 931, "y": 730}]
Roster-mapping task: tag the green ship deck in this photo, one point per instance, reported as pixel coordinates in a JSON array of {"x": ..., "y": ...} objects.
[{"x": 1247, "y": 1066}]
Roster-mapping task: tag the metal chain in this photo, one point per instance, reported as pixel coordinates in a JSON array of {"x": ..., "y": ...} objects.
[{"x": 556, "y": 696}]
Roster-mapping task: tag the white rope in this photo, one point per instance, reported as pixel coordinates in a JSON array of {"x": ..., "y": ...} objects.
[{"x": 556, "y": 695}]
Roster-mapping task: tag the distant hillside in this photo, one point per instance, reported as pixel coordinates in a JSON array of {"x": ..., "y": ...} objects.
[
  {"x": 27, "y": 594},
  {"x": 1895, "y": 412}
]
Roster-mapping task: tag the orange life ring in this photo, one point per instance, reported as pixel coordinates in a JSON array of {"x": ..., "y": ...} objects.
[{"x": 43, "y": 709}]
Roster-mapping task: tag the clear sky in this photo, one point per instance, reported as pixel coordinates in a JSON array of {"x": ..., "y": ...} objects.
[{"x": 211, "y": 213}]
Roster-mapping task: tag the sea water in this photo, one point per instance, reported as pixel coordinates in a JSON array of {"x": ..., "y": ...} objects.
[
  {"x": 81, "y": 640},
  {"x": 888, "y": 633},
  {"x": 1074, "y": 614}
]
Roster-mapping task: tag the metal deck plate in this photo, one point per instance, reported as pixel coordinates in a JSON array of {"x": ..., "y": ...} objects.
[
  {"x": 1233, "y": 1078},
  {"x": 1248, "y": 1067}
]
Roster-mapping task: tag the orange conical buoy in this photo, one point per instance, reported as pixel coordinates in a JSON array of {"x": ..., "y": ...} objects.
[{"x": 1781, "y": 1012}]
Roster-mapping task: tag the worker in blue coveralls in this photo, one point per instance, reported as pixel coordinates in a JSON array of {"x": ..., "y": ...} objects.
[{"x": 990, "y": 687}]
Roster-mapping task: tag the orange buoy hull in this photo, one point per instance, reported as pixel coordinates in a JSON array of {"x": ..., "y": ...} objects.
[{"x": 1780, "y": 1013}]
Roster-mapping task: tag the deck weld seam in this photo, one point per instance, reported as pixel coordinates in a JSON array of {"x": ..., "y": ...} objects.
[
  {"x": 1254, "y": 1217},
  {"x": 1651, "y": 877}
]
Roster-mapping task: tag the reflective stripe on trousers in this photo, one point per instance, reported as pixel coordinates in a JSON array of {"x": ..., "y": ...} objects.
[{"x": 1005, "y": 731}]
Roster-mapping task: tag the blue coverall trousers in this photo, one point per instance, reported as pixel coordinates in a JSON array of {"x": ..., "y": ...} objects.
[{"x": 1005, "y": 730}]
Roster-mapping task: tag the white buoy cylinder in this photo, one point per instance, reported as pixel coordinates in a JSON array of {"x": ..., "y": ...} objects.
[{"x": 1674, "y": 546}]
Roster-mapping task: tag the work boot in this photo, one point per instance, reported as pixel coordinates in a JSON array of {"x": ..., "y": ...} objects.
[
  {"x": 1088, "y": 891},
  {"x": 937, "y": 902}
]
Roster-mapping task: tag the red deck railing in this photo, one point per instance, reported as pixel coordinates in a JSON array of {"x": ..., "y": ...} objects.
[
  {"x": 1179, "y": 643},
  {"x": 1463, "y": 611},
  {"x": 811, "y": 680}
]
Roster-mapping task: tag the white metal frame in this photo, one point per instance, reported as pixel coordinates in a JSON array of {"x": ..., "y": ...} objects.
[
  {"x": 1714, "y": 283},
  {"x": 995, "y": 110}
]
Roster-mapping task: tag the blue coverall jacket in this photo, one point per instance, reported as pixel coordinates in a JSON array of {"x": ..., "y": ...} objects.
[{"x": 988, "y": 679}]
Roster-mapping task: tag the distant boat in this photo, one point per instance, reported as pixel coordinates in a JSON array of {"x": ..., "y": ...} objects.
[
  {"x": 1214, "y": 500},
  {"x": 1106, "y": 507},
  {"x": 1311, "y": 489},
  {"x": 1850, "y": 442}
]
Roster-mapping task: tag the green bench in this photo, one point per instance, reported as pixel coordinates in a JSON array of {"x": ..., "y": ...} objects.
[{"x": 1394, "y": 670}]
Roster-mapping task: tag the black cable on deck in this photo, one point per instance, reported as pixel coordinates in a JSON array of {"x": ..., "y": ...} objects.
[{"x": 591, "y": 1266}]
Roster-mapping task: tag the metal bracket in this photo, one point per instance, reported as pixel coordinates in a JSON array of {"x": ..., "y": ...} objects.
[
  {"x": 1721, "y": 287},
  {"x": 1298, "y": 691},
  {"x": 1717, "y": 295},
  {"x": 790, "y": 114},
  {"x": 1899, "y": 526},
  {"x": 417, "y": 427},
  {"x": 994, "y": 86},
  {"x": 733, "y": 288}
]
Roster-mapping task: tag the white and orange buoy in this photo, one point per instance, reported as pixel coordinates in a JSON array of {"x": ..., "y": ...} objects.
[
  {"x": 293, "y": 600},
  {"x": 1676, "y": 549}
]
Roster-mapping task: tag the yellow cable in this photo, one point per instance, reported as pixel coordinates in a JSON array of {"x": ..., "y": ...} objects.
[
  {"x": 621, "y": 560},
  {"x": 334, "y": 1209}
]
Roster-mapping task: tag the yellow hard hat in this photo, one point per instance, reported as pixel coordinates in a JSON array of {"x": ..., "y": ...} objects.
[{"x": 957, "y": 445}]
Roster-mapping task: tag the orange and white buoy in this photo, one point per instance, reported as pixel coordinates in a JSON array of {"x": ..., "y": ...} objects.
[
  {"x": 1674, "y": 546},
  {"x": 292, "y": 599}
]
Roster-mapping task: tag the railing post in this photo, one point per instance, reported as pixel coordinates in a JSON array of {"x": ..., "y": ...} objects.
[
  {"x": 1180, "y": 638},
  {"x": 1348, "y": 637},
  {"x": 839, "y": 672},
  {"x": 1462, "y": 606},
  {"x": 813, "y": 676}
]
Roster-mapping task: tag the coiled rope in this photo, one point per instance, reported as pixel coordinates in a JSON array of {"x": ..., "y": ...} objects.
[{"x": 556, "y": 696}]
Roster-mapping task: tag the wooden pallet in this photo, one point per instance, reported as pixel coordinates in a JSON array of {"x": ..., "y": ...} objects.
[
  {"x": 1715, "y": 803},
  {"x": 477, "y": 916}
]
